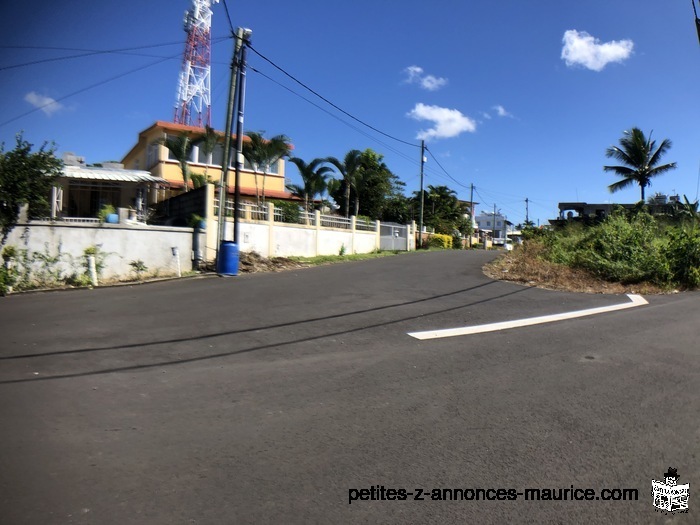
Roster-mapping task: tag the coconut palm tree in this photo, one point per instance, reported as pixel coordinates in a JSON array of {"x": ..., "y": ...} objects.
[
  {"x": 349, "y": 170},
  {"x": 313, "y": 176},
  {"x": 206, "y": 143},
  {"x": 181, "y": 148},
  {"x": 262, "y": 153},
  {"x": 640, "y": 158}
]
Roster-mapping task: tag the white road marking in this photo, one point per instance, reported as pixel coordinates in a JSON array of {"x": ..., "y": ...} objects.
[{"x": 636, "y": 300}]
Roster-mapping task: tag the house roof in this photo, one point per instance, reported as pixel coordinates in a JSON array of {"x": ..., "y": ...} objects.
[{"x": 109, "y": 174}]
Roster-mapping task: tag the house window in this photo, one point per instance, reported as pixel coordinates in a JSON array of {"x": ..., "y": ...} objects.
[{"x": 488, "y": 223}]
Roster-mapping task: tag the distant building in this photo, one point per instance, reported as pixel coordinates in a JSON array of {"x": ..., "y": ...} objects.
[{"x": 492, "y": 224}]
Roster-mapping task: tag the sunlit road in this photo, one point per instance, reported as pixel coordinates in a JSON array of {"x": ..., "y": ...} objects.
[{"x": 278, "y": 398}]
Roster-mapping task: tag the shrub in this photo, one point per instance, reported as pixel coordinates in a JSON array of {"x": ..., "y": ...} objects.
[
  {"x": 440, "y": 240},
  {"x": 683, "y": 256},
  {"x": 106, "y": 210},
  {"x": 289, "y": 210},
  {"x": 623, "y": 249}
]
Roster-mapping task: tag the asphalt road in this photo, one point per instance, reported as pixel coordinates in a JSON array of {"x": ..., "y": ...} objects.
[{"x": 277, "y": 398}]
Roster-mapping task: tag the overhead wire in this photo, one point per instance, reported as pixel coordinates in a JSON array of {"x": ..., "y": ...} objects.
[
  {"x": 91, "y": 52},
  {"x": 92, "y": 86},
  {"x": 328, "y": 101}
]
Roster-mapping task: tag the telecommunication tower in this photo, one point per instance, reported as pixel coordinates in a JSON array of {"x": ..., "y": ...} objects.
[{"x": 193, "y": 105}]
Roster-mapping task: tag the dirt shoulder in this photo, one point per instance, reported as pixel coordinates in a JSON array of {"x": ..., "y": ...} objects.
[{"x": 528, "y": 269}]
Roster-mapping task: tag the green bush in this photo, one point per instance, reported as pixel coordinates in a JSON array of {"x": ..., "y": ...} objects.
[
  {"x": 107, "y": 209},
  {"x": 623, "y": 249},
  {"x": 440, "y": 240},
  {"x": 683, "y": 256},
  {"x": 289, "y": 210}
]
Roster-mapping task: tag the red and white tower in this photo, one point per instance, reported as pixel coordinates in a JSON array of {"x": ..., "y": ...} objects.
[{"x": 193, "y": 106}]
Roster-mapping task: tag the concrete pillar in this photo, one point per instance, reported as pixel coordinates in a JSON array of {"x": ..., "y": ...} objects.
[
  {"x": 353, "y": 225},
  {"x": 317, "y": 223},
  {"x": 271, "y": 230}
]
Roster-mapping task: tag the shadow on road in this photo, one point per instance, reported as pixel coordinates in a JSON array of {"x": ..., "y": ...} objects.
[{"x": 245, "y": 330}]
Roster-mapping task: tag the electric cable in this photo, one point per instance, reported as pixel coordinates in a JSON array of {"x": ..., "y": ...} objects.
[
  {"x": 92, "y": 86},
  {"x": 328, "y": 101},
  {"x": 91, "y": 52}
]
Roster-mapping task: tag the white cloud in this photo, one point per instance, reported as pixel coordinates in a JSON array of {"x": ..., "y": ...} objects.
[
  {"x": 416, "y": 75},
  {"x": 582, "y": 49},
  {"x": 448, "y": 122},
  {"x": 501, "y": 111},
  {"x": 46, "y": 104}
]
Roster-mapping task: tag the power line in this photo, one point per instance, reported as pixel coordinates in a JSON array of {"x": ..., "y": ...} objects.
[
  {"x": 92, "y": 86},
  {"x": 329, "y": 102},
  {"x": 443, "y": 169},
  {"x": 355, "y": 128},
  {"x": 88, "y": 52},
  {"x": 228, "y": 16}
]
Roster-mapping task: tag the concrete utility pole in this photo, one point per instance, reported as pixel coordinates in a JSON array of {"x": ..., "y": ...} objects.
[
  {"x": 223, "y": 182},
  {"x": 471, "y": 213},
  {"x": 422, "y": 163},
  {"x": 493, "y": 229},
  {"x": 239, "y": 130}
]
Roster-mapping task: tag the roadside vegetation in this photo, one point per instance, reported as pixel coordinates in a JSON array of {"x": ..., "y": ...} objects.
[{"x": 629, "y": 250}]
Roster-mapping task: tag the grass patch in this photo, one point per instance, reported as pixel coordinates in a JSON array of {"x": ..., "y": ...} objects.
[{"x": 332, "y": 259}]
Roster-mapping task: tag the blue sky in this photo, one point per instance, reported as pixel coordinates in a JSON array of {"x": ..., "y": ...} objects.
[{"x": 519, "y": 98}]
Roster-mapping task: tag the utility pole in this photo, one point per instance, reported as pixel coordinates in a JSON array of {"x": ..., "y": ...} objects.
[
  {"x": 493, "y": 230},
  {"x": 239, "y": 129},
  {"x": 471, "y": 213},
  {"x": 420, "y": 225},
  {"x": 527, "y": 212},
  {"x": 223, "y": 182}
]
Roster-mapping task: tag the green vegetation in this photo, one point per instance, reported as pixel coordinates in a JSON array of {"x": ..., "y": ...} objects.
[
  {"x": 440, "y": 241},
  {"x": 330, "y": 259},
  {"x": 628, "y": 247},
  {"x": 314, "y": 177},
  {"x": 105, "y": 210},
  {"x": 289, "y": 211},
  {"x": 262, "y": 153},
  {"x": 139, "y": 268},
  {"x": 26, "y": 177},
  {"x": 640, "y": 160}
]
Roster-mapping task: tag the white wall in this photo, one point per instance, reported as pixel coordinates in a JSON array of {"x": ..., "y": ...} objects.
[
  {"x": 121, "y": 244},
  {"x": 296, "y": 240}
]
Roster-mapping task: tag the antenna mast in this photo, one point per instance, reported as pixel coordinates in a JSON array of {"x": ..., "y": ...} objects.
[{"x": 193, "y": 105}]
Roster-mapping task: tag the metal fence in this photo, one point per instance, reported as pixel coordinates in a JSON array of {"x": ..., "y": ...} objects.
[{"x": 393, "y": 236}]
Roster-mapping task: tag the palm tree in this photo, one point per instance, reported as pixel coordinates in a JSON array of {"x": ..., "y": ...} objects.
[
  {"x": 313, "y": 176},
  {"x": 206, "y": 143},
  {"x": 640, "y": 158},
  {"x": 181, "y": 148},
  {"x": 262, "y": 153},
  {"x": 349, "y": 170}
]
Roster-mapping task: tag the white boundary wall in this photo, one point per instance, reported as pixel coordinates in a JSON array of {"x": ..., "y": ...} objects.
[
  {"x": 121, "y": 244},
  {"x": 279, "y": 239}
]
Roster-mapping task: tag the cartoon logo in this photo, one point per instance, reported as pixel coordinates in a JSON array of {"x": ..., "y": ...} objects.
[{"x": 668, "y": 494}]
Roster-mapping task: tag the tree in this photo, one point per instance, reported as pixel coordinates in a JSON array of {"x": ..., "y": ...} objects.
[
  {"x": 313, "y": 176},
  {"x": 25, "y": 178},
  {"x": 181, "y": 148},
  {"x": 371, "y": 188},
  {"x": 207, "y": 143},
  {"x": 640, "y": 158},
  {"x": 262, "y": 153},
  {"x": 349, "y": 170},
  {"x": 442, "y": 210}
]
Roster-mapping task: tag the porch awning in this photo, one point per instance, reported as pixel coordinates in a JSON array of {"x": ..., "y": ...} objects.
[{"x": 110, "y": 174}]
